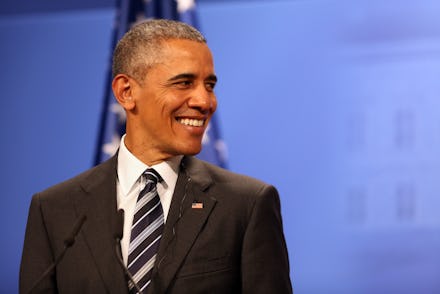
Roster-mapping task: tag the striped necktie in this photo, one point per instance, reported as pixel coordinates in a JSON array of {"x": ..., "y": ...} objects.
[{"x": 146, "y": 232}]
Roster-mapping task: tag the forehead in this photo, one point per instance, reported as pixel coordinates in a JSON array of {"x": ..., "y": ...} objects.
[{"x": 175, "y": 50}]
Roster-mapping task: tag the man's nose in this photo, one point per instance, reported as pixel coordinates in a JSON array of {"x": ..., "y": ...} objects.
[{"x": 203, "y": 100}]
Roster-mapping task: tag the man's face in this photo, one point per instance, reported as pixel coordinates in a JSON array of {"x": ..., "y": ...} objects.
[{"x": 175, "y": 101}]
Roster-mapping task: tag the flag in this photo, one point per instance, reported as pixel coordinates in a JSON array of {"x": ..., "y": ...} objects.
[{"x": 112, "y": 123}]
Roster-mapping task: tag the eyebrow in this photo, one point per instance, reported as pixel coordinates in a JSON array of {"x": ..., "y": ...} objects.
[
  {"x": 191, "y": 76},
  {"x": 212, "y": 78}
]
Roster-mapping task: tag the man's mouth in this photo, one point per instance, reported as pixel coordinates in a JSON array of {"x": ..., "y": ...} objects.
[{"x": 191, "y": 122}]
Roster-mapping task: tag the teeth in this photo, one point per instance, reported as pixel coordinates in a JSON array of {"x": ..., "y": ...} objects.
[{"x": 192, "y": 122}]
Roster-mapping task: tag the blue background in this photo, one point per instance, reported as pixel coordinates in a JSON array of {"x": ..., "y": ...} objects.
[{"x": 334, "y": 102}]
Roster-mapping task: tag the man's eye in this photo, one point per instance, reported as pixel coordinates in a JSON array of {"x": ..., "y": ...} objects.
[
  {"x": 210, "y": 86},
  {"x": 183, "y": 84}
]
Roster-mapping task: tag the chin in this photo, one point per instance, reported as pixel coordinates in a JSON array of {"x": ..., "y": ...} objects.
[
  {"x": 186, "y": 146},
  {"x": 191, "y": 151}
]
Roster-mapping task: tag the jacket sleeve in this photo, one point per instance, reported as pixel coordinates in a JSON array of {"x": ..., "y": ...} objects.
[
  {"x": 265, "y": 262},
  {"x": 37, "y": 253}
]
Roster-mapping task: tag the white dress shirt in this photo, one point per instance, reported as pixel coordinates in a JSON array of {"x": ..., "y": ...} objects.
[{"x": 130, "y": 183}]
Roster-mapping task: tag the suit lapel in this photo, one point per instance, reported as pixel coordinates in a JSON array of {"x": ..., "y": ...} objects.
[
  {"x": 189, "y": 211},
  {"x": 99, "y": 205}
]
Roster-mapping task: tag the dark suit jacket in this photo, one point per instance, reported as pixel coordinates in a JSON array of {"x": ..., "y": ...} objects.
[{"x": 234, "y": 244}]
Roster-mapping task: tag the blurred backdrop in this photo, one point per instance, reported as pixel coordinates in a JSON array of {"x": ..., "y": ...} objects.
[{"x": 336, "y": 103}]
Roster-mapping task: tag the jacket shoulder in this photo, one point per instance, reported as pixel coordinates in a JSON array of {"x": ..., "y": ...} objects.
[
  {"x": 226, "y": 179},
  {"x": 82, "y": 181}
]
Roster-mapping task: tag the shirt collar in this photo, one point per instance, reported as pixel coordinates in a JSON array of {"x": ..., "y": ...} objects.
[{"x": 131, "y": 168}]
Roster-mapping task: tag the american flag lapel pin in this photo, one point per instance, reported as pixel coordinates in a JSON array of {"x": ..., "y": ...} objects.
[{"x": 197, "y": 205}]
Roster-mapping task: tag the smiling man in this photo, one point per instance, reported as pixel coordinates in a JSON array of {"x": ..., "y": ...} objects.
[
  {"x": 188, "y": 226},
  {"x": 169, "y": 107}
]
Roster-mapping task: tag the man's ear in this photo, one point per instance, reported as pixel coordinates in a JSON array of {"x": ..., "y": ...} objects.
[{"x": 122, "y": 86}]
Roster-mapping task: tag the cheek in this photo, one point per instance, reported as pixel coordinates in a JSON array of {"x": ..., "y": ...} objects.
[
  {"x": 163, "y": 108},
  {"x": 173, "y": 104},
  {"x": 214, "y": 103}
]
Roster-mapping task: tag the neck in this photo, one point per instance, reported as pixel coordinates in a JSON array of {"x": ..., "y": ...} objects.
[{"x": 145, "y": 153}]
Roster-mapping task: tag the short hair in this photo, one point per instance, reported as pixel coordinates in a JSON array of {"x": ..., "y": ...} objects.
[{"x": 140, "y": 47}]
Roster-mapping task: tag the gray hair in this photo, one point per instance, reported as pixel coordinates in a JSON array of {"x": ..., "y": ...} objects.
[{"x": 140, "y": 47}]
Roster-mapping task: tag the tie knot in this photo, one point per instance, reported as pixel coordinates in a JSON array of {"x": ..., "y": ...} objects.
[{"x": 151, "y": 175}]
